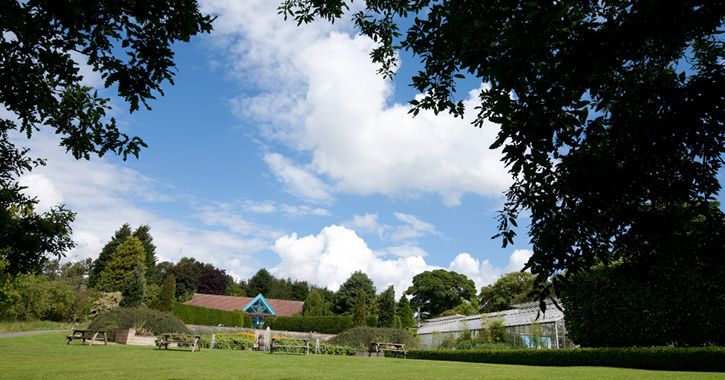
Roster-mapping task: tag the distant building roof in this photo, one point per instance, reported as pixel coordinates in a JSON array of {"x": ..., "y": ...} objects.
[
  {"x": 283, "y": 308},
  {"x": 521, "y": 314}
]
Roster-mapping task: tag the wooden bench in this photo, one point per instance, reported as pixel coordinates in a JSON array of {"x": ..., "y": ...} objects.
[
  {"x": 192, "y": 341},
  {"x": 89, "y": 335},
  {"x": 280, "y": 343},
  {"x": 395, "y": 348}
]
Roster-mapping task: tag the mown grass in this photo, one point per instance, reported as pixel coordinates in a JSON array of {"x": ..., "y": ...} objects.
[{"x": 47, "y": 356}]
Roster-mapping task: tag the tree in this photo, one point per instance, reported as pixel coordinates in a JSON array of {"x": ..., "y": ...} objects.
[
  {"x": 237, "y": 289},
  {"x": 511, "y": 288},
  {"x": 123, "y": 261},
  {"x": 143, "y": 233},
  {"x": 358, "y": 317},
  {"x": 346, "y": 295},
  {"x": 213, "y": 280},
  {"x": 168, "y": 294},
  {"x": 300, "y": 290},
  {"x": 605, "y": 108},
  {"x": 386, "y": 308},
  {"x": 134, "y": 287},
  {"x": 74, "y": 273},
  {"x": 261, "y": 283},
  {"x": 315, "y": 305},
  {"x": 107, "y": 252},
  {"x": 405, "y": 313},
  {"x": 439, "y": 290},
  {"x": 186, "y": 272},
  {"x": 27, "y": 237},
  {"x": 128, "y": 43}
]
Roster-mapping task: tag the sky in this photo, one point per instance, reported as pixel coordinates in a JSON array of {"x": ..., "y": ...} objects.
[{"x": 280, "y": 147}]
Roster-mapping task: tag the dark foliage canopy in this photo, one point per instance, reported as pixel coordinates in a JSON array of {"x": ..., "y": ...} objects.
[
  {"x": 128, "y": 42},
  {"x": 439, "y": 290},
  {"x": 605, "y": 108}
]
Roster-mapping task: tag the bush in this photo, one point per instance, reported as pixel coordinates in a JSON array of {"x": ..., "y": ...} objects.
[
  {"x": 195, "y": 315},
  {"x": 371, "y": 321},
  {"x": 229, "y": 341},
  {"x": 325, "y": 325},
  {"x": 652, "y": 358},
  {"x": 248, "y": 321},
  {"x": 361, "y": 337},
  {"x": 151, "y": 320},
  {"x": 627, "y": 305}
]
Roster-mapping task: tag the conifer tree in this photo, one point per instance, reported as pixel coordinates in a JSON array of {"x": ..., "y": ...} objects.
[
  {"x": 105, "y": 256},
  {"x": 123, "y": 261},
  {"x": 168, "y": 292},
  {"x": 405, "y": 312},
  {"x": 143, "y": 234},
  {"x": 386, "y": 308},
  {"x": 358, "y": 318},
  {"x": 134, "y": 287}
]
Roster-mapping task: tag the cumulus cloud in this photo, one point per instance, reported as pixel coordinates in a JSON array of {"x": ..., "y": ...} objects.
[
  {"x": 319, "y": 94},
  {"x": 482, "y": 272},
  {"x": 329, "y": 258}
]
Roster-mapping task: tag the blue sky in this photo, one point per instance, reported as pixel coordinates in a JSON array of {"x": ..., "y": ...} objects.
[{"x": 280, "y": 147}]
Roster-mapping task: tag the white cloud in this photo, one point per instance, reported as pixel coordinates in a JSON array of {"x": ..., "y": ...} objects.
[
  {"x": 297, "y": 180},
  {"x": 482, "y": 272},
  {"x": 40, "y": 187},
  {"x": 318, "y": 93},
  {"x": 329, "y": 258}
]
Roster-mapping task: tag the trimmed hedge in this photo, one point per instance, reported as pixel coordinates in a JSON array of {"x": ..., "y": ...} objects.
[
  {"x": 324, "y": 325},
  {"x": 152, "y": 320},
  {"x": 710, "y": 359},
  {"x": 195, "y": 315},
  {"x": 229, "y": 341},
  {"x": 248, "y": 321}
]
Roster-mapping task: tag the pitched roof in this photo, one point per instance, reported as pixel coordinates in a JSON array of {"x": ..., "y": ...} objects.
[
  {"x": 283, "y": 308},
  {"x": 521, "y": 314}
]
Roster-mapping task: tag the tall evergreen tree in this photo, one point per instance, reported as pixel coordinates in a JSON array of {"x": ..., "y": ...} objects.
[
  {"x": 143, "y": 234},
  {"x": 345, "y": 296},
  {"x": 168, "y": 293},
  {"x": 134, "y": 287},
  {"x": 386, "y": 308},
  {"x": 358, "y": 318},
  {"x": 315, "y": 305},
  {"x": 108, "y": 250},
  {"x": 405, "y": 312},
  {"x": 123, "y": 261}
]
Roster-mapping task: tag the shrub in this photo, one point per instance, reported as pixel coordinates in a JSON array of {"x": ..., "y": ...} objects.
[
  {"x": 361, "y": 337},
  {"x": 652, "y": 358},
  {"x": 151, "y": 320},
  {"x": 229, "y": 341},
  {"x": 325, "y": 325},
  {"x": 248, "y": 321},
  {"x": 195, "y": 315}
]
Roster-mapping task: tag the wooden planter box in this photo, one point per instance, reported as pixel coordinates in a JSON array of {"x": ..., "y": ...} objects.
[{"x": 128, "y": 336}]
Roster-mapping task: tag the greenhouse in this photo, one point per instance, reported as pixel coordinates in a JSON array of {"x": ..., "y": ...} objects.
[{"x": 525, "y": 326}]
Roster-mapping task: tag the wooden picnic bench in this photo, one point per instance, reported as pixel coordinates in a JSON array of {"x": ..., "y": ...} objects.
[
  {"x": 89, "y": 335},
  {"x": 280, "y": 343},
  {"x": 394, "y": 348},
  {"x": 190, "y": 340}
]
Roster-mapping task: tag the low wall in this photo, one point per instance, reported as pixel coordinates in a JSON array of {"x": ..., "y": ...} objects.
[{"x": 128, "y": 336}]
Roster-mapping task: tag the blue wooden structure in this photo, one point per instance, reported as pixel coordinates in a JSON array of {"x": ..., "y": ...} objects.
[{"x": 259, "y": 309}]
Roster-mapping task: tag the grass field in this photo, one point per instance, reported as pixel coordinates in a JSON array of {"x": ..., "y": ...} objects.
[{"x": 46, "y": 356}]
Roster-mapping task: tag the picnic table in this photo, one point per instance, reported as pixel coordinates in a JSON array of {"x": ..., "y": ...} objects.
[
  {"x": 190, "y": 340},
  {"x": 287, "y": 342},
  {"x": 89, "y": 335},
  {"x": 394, "y": 348}
]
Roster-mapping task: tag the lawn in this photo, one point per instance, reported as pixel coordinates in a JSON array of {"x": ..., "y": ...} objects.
[{"x": 47, "y": 356}]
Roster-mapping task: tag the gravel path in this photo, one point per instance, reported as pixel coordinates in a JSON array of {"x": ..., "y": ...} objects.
[{"x": 21, "y": 333}]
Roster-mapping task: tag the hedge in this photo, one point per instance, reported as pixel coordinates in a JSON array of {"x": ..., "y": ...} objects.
[
  {"x": 229, "y": 341},
  {"x": 710, "y": 359},
  {"x": 195, "y": 315},
  {"x": 324, "y": 325}
]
